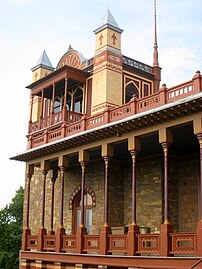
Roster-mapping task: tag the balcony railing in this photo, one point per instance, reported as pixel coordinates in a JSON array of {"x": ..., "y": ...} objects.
[
  {"x": 179, "y": 243},
  {"x": 66, "y": 123}
]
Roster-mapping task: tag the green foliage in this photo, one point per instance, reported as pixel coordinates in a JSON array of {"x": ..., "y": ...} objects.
[{"x": 11, "y": 232}]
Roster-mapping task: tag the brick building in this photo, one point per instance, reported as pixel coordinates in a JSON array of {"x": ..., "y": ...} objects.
[{"x": 113, "y": 163}]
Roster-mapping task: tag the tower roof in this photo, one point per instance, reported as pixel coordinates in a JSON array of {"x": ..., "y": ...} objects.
[
  {"x": 110, "y": 22},
  {"x": 43, "y": 61}
]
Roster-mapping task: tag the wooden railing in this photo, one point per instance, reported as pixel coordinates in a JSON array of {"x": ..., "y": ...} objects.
[
  {"x": 180, "y": 243},
  {"x": 66, "y": 123}
]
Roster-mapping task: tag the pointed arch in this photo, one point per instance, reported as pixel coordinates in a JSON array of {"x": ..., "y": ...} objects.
[
  {"x": 77, "y": 191},
  {"x": 130, "y": 90}
]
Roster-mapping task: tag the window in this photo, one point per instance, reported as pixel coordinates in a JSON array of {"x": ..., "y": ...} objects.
[
  {"x": 88, "y": 216},
  {"x": 78, "y": 100},
  {"x": 130, "y": 91}
]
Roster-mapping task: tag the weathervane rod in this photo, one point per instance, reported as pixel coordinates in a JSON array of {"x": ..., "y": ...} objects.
[{"x": 155, "y": 55}]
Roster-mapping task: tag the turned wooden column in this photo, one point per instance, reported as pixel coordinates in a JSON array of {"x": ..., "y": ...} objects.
[
  {"x": 199, "y": 226},
  {"x": 165, "y": 147},
  {"x": 133, "y": 229},
  {"x": 83, "y": 166},
  {"x": 42, "y": 103},
  {"x": 62, "y": 169},
  {"x": 42, "y": 230},
  {"x": 165, "y": 227},
  {"x": 29, "y": 176},
  {"x": 106, "y": 186},
  {"x": 31, "y": 111},
  {"x": 52, "y": 104},
  {"x": 53, "y": 179},
  {"x": 134, "y": 156},
  {"x": 199, "y": 136},
  {"x": 26, "y": 230},
  {"x": 62, "y": 162},
  {"x": 44, "y": 173}
]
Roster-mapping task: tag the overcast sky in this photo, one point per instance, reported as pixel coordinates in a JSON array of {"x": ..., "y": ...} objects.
[{"x": 29, "y": 26}]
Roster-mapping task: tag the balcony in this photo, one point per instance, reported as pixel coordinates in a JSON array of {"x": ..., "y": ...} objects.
[{"x": 66, "y": 123}]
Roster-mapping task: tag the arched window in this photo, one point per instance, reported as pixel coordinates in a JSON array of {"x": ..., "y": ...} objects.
[
  {"x": 130, "y": 91},
  {"x": 88, "y": 205}
]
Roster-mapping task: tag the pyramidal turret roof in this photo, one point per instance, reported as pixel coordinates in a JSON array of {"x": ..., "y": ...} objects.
[
  {"x": 110, "y": 22},
  {"x": 43, "y": 61}
]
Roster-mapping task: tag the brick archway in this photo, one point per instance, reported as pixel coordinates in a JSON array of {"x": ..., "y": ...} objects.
[{"x": 87, "y": 190}]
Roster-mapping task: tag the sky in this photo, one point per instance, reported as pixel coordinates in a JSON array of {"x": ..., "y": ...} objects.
[{"x": 27, "y": 27}]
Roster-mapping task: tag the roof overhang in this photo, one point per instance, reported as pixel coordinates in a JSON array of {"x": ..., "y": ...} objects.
[{"x": 64, "y": 72}]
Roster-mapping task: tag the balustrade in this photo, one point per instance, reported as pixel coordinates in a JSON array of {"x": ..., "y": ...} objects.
[{"x": 180, "y": 243}]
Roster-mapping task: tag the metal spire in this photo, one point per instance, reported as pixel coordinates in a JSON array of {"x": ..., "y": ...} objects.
[{"x": 155, "y": 53}]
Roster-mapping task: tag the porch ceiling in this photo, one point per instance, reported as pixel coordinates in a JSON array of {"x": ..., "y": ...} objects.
[{"x": 164, "y": 113}]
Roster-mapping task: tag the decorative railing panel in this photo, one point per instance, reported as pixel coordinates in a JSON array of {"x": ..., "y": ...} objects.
[
  {"x": 91, "y": 243},
  {"x": 95, "y": 121},
  {"x": 38, "y": 140},
  {"x": 31, "y": 242},
  {"x": 49, "y": 242},
  {"x": 147, "y": 103},
  {"x": 183, "y": 243},
  {"x": 180, "y": 91},
  {"x": 57, "y": 117},
  {"x": 117, "y": 243},
  {"x": 120, "y": 112},
  {"x": 148, "y": 243},
  {"x": 69, "y": 243}
]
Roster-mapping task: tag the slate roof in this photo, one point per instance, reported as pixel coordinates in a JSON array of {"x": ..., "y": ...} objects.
[
  {"x": 43, "y": 61},
  {"x": 110, "y": 22}
]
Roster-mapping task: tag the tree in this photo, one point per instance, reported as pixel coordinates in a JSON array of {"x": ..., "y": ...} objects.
[{"x": 11, "y": 232}]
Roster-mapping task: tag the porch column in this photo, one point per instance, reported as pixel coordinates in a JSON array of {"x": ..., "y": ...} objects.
[
  {"x": 199, "y": 136},
  {"x": 197, "y": 124},
  {"x": 83, "y": 166},
  {"x": 133, "y": 230},
  {"x": 65, "y": 99},
  {"x": 41, "y": 107},
  {"x": 107, "y": 153},
  {"x": 52, "y": 103},
  {"x": 53, "y": 175},
  {"x": 26, "y": 230},
  {"x": 63, "y": 164},
  {"x": 45, "y": 166},
  {"x": 81, "y": 230},
  {"x": 31, "y": 109},
  {"x": 165, "y": 139},
  {"x": 42, "y": 103}
]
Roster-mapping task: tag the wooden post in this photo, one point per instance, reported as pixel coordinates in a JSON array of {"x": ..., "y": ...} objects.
[
  {"x": 133, "y": 228},
  {"x": 199, "y": 226},
  {"x": 107, "y": 153},
  {"x": 53, "y": 179},
  {"x": 61, "y": 230},
  {"x": 165, "y": 139},
  {"x": 26, "y": 230},
  {"x": 81, "y": 230},
  {"x": 63, "y": 164},
  {"x": 53, "y": 101},
  {"x": 42, "y": 230},
  {"x": 65, "y": 100},
  {"x": 165, "y": 227}
]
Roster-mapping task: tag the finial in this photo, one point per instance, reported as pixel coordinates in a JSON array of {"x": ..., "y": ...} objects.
[
  {"x": 70, "y": 47},
  {"x": 155, "y": 53}
]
